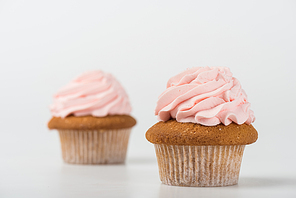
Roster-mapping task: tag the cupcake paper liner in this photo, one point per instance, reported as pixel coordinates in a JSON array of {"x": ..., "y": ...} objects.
[
  {"x": 94, "y": 146},
  {"x": 199, "y": 165}
]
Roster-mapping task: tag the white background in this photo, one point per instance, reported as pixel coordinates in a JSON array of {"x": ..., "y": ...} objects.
[{"x": 45, "y": 44}]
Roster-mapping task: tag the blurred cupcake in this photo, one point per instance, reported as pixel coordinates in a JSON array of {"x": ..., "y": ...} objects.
[
  {"x": 205, "y": 123},
  {"x": 92, "y": 116}
]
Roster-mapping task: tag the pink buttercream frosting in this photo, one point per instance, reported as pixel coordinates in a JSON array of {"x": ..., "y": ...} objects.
[
  {"x": 204, "y": 95},
  {"x": 93, "y": 93}
]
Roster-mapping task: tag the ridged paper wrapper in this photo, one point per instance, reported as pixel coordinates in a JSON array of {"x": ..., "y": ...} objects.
[
  {"x": 199, "y": 165},
  {"x": 94, "y": 146}
]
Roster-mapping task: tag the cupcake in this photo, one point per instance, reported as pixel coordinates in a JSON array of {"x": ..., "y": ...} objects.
[
  {"x": 92, "y": 116},
  {"x": 204, "y": 124}
]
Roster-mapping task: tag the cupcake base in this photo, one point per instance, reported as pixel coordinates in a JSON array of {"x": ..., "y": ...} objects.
[
  {"x": 199, "y": 165},
  {"x": 94, "y": 146}
]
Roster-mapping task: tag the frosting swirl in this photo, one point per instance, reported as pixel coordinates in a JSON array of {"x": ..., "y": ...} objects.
[
  {"x": 93, "y": 93},
  {"x": 204, "y": 95}
]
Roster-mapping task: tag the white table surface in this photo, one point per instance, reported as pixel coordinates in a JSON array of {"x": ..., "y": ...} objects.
[{"x": 138, "y": 177}]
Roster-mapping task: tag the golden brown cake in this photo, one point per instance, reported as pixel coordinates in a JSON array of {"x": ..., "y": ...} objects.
[
  {"x": 172, "y": 132},
  {"x": 92, "y": 123}
]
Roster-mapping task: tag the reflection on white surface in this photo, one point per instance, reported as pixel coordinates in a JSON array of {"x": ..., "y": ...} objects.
[
  {"x": 50, "y": 177},
  {"x": 247, "y": 187}
]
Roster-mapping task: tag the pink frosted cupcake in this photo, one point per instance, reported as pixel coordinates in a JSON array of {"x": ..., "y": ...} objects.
[
  {"x": 205, "y": 123},
  {"x": 92, "y": 116}
]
